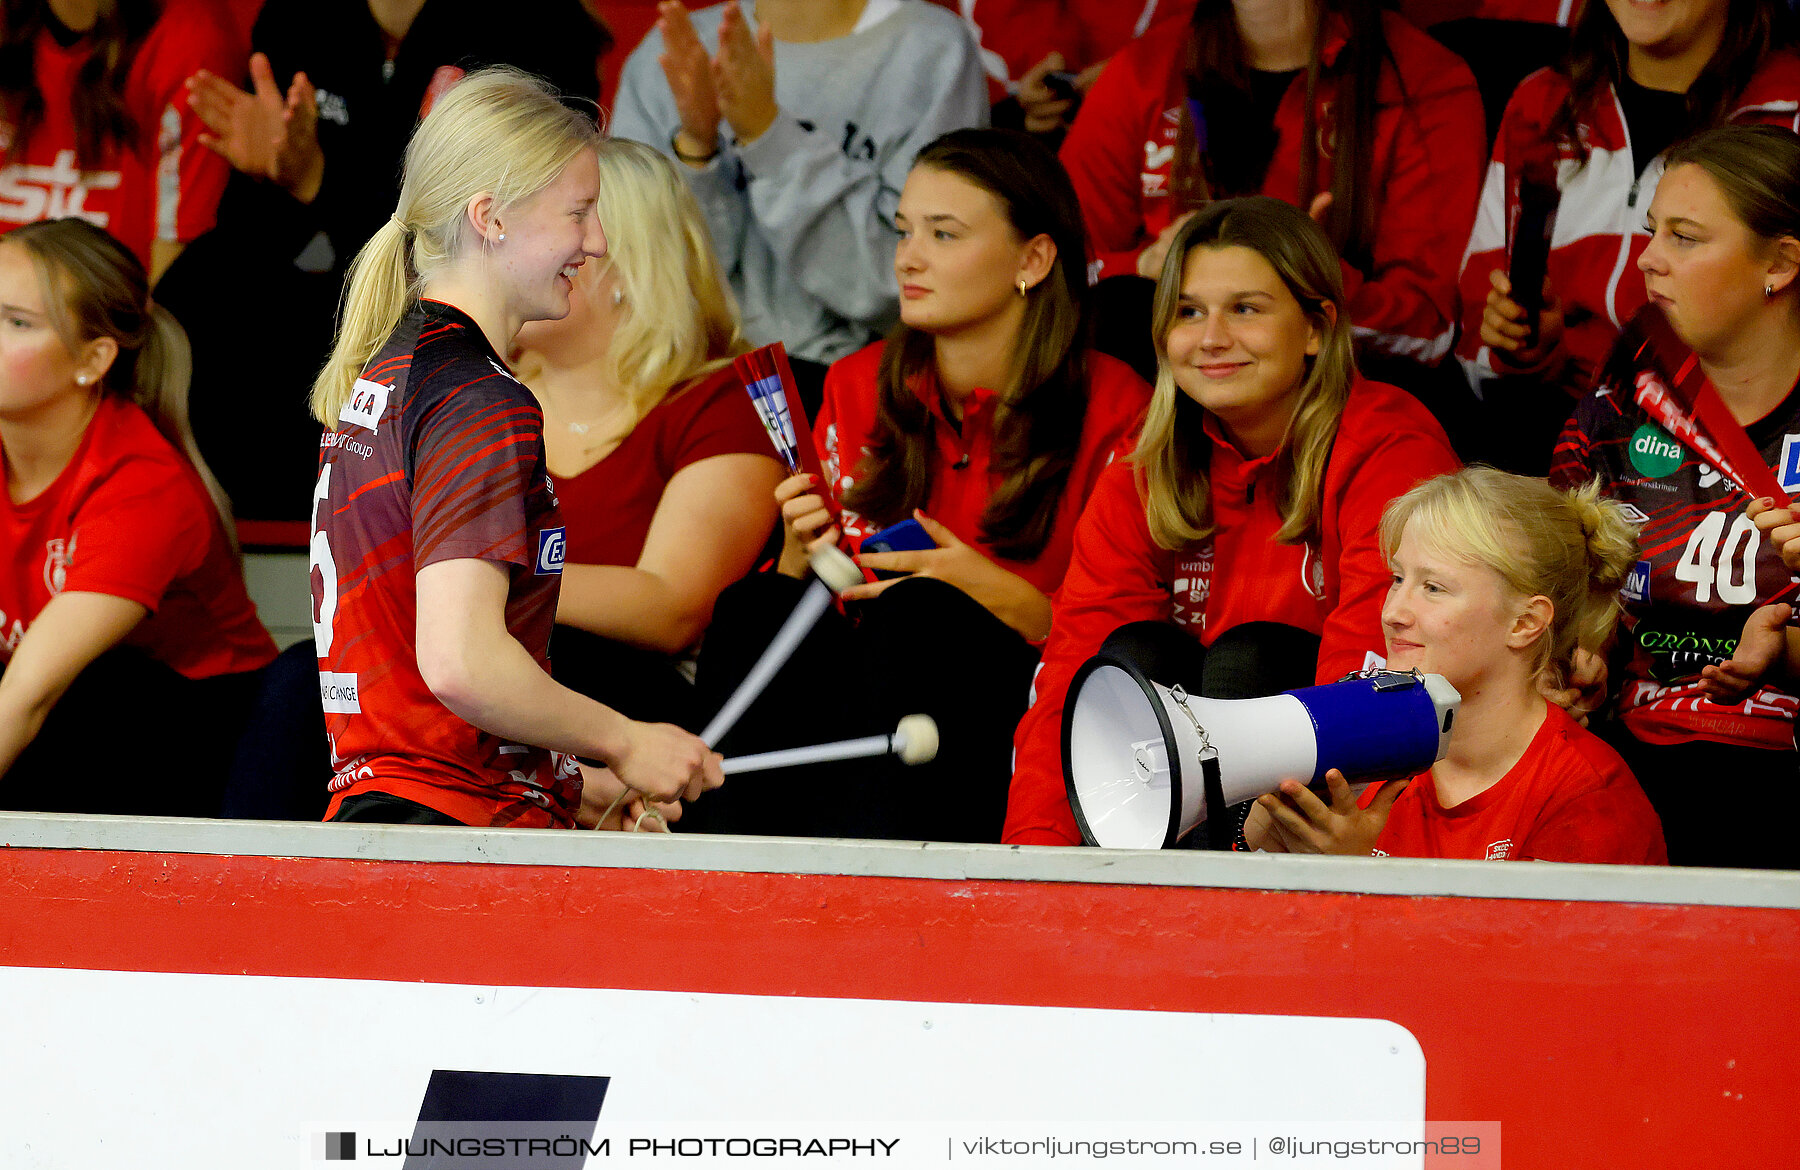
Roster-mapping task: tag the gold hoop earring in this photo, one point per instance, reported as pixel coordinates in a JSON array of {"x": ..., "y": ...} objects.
[{"x": 1023, "y": 289}]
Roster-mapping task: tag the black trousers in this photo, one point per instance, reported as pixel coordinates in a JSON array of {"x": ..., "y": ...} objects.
[
  {"x": 131, "y": 736},
  {"x": 1719, "y": 803},
  {"x": 637, "y": 683},
  {"x": 921, "y": 647}
]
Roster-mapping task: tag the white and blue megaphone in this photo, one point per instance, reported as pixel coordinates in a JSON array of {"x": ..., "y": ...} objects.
[{"x": 1146, "y": 763}]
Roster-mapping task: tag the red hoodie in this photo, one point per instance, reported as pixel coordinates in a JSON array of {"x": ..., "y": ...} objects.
[
  {"x": 1386, "y": 443},
  {"x": 1427, "y": 165}
]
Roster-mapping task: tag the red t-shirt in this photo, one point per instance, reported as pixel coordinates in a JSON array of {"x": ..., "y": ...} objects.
[
  {"x": 1569, "y": 798},
  {"x": 609, "y": 506},
  {"x": 965, "y": 478},
  {"x": 163, "y": 186},
  {"x": 128, "y": 517},
  {"x": 439, "y": 455}
]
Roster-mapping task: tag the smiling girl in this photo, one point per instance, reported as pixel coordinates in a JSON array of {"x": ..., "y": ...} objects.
[
  {"x": 1496, "y": 581},
  {"x": 437, "y": 544},
  {"x": 124, "y": 606},
  {"x": 1238, "y": 545}
]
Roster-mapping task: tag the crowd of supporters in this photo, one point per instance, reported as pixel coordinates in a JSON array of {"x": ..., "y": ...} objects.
[{"x": 1221, "y": 334}]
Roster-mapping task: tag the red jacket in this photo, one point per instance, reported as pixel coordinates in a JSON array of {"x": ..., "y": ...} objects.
[
  {"x": 1599, "y": 231},
  {"x": 965, "y": 478},
  {"x": 1386, "y": 443},
  {"x": 1428, "y": 127}
]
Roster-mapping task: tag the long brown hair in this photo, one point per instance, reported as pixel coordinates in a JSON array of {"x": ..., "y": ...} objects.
[
  {"x": 1218, "y": 85},
  {"x": 1597, "y": 56},
  {"x": 94, "y": 287},
  {"x": 1174, "y": 453},
  {"x": 1037, "y": 426},
  {"x": 98, "y": 105}
]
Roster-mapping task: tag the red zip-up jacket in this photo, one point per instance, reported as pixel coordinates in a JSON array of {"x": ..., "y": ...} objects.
[
  {"x": 1386, "y": 443},
  {"x": 965, "y": 478},
  {"x": 1599, "y": 232},
  {"x": 1427, "y": 165}
]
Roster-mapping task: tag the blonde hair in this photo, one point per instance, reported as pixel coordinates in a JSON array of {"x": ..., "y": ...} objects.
[
  {"x": 94, "y": 287},
  {"x": 1173, "y": 453},
  {"x": 679, "y": 319},
  {"x": 1573, "y": 547},
  {"x": 498, "y": 131}
]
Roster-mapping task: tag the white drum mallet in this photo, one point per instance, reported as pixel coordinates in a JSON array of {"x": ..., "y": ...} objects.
[
  {"x": 833, "y": 572},
  {"x": 915, "y": 741}
]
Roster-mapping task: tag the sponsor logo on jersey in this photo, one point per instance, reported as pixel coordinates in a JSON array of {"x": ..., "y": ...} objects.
[
  {"x": 550, "y": 552},
  {"x": 368, "y": 402},
  {"x": 1789, "y": 470},
  {"x": 1156, "y": 156},
  {"x": 1654, "y": 452},
  {"x": 1637, "y": 583},
  {"x": 1634, "y": 514},
  {"x": 1500, "y": 850},
  {"x": 338, "y": 693},
  {"x": 31, "y": 193}
]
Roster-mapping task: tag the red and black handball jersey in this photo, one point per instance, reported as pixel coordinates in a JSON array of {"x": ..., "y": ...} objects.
[
  {"x": 1704, "y": 566},
  {"x": 439, "y": 455}
]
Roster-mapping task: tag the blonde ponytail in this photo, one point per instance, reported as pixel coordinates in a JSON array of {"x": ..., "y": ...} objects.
[
  {"x": 498, "y": 131},
  {"x": 375, "y": 297},
  {"x": 1574, "y": 548}
]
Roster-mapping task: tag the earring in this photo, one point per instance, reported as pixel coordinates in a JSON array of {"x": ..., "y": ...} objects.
[
  {"x": 1022, "y": 286},
  {"x": 1769, "y": 289},
  {"x": 502, "y": 238},
  {"x": 618, "y": 297},
  {"x": 81, "y": 379}
]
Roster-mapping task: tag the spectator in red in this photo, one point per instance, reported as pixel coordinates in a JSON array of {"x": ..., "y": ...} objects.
[
  {"x": 1497, "y": 582},
  {"x": 122, "y": 606},
  {"x": 95, "y": 118},
  {"x": 1592, "y": 133},
  {"x": 1237, "y": 550},
  {"x": 1722, "y": 268},
  {"x": 984, "y": 418},
  {"x": 1335, "y": 106}
]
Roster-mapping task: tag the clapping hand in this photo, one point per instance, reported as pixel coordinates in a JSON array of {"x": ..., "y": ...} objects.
[{"x": 263, "y": 133}]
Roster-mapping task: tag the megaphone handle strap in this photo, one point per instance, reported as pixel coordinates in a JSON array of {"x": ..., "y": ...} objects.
[{"x": 1221, "y": 830}]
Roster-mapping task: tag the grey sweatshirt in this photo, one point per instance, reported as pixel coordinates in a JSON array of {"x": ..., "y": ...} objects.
[{"x": 803, "y": 217}]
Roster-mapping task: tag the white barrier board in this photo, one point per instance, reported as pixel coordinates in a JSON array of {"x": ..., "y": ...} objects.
[{"x": 148, "y": 1070}]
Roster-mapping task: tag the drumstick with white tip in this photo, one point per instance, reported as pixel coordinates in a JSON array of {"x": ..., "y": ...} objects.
[
  {"x": 915, "y": 741},
  {"x": 834, "y": 573}
]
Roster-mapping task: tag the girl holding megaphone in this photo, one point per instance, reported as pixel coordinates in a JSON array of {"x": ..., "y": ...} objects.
[
  {"x": 1497, "y": 581},
  {"x": 1239, "y": 542}
]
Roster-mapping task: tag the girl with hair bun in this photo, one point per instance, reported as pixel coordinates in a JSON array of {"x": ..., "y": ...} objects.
[
  {"x": 1721, "y": 271},
  {"x": 122, "y": 606},
  {"x": 1497, "y": 581},
  {"x": 437, "y": 544}
]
